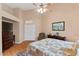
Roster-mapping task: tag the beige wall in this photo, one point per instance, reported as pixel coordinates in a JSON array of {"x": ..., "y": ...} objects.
[
  {"x": 9, "y": 12},
  {"x": 22, "y": 16},
  {"x": 7, "y": 9},
  {"x": 56, "y": 12},
  {"x": 12, "y": 14},
  {"x": 35, "y": 17},
  {"x": 19, "y": 13},
  {"x": 16, "y": 31},
  {"x": 15, "y": 28},
  {"x": 0, "y": 31},
  {"x": 63, "y": 12}
]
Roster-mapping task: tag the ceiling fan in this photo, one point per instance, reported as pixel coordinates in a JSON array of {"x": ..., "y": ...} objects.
[{"x": 41, "y": 7}]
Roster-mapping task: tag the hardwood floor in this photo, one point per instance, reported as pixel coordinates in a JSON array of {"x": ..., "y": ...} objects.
[{"x": 16, "y": 48}]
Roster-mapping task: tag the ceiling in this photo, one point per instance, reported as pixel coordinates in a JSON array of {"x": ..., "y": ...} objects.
[{"x": 24, "y": 6}]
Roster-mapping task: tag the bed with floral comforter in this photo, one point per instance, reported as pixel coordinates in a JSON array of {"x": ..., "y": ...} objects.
[{"x": 48, "y": 47}]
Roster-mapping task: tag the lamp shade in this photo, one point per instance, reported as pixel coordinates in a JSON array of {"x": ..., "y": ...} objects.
[{"x": 77, "y": 40}]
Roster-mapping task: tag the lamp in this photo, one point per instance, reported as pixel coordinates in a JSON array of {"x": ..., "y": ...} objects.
[
  {"x": 76, "y": 44},
  {"x": 77, "y": 47},
  {"x": 78, "y": 41},
  {"x": 41, "y": 7}
]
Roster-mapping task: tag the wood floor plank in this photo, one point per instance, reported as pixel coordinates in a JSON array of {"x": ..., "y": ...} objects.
[{"x": 16, "y": 48}]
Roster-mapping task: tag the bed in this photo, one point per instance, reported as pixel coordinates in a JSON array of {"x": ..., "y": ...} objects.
[{"x": 48, "y": 47}]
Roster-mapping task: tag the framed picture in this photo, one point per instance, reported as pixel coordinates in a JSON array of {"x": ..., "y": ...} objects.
[{"x": 58, "y": 26}]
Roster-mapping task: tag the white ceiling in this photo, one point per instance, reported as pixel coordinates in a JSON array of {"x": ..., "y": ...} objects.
[{"x": 24, "y": 6}]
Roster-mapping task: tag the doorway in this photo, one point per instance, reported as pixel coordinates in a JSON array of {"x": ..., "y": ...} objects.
[
  {"x": 9, "y": 33},
  {"x": 29, "y": 31}
]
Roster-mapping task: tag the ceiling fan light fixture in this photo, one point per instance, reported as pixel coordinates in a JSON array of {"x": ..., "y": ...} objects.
[{"x": 41, "y": 8}]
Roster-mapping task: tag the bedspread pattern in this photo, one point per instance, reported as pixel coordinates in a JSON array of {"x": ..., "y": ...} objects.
[{"x": 49, "y": 47}]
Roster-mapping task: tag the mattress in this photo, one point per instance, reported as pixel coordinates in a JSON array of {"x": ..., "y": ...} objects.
[{"x": 49, "y": 47}]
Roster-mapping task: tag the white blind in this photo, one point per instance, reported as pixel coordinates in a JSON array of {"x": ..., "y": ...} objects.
[{"x": 29, "y": 31}]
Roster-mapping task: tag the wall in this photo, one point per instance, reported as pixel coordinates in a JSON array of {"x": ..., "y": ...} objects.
[
  {"x": 35, "y": 17},
  {"x": 0, "y": 31},
  {"x": 63, "y": 12},
  {"x": 9, "y": 12},
  {"x": 12, "y": 14},
  {"x": 15, "y": 28},
  {"x": 19, "y": 13},
  {"x": 7, "y": 9},
  {"x": 56, "y": 12},
  {"x": 16, "y": 31}
]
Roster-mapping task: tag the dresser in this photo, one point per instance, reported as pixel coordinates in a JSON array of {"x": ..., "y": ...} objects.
[
  {"x": 57, "y": 37},
  {"x": 8, "y": 37}
]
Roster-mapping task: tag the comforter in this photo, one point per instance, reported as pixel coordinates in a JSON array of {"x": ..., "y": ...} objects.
[{"x": 48, "y": 47}]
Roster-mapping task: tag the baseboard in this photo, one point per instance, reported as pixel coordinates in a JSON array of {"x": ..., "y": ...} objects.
[
  {"x": 23, "y": 40},
  {"x": 30, "y": 40},
  {"x": 18, "y": 42}
]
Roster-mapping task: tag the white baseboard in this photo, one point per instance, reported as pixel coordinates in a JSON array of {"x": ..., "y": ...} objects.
[
  {"x": 18, "y": 42},
  {"x": 23, "y": 40},
  {"x": 30, "y": 40}
]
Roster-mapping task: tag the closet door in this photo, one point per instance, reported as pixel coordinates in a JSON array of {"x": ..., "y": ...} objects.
[{"x": 29, "y": 31}]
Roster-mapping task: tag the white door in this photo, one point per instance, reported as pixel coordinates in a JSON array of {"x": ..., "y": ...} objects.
[{"x": 29, "y": 31}]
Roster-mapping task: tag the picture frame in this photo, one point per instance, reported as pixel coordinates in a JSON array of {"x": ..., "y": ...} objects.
[{"x": 58, "y": 26}]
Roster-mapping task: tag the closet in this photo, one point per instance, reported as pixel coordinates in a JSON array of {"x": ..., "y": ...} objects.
[{"x": 7, "y": 35}]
